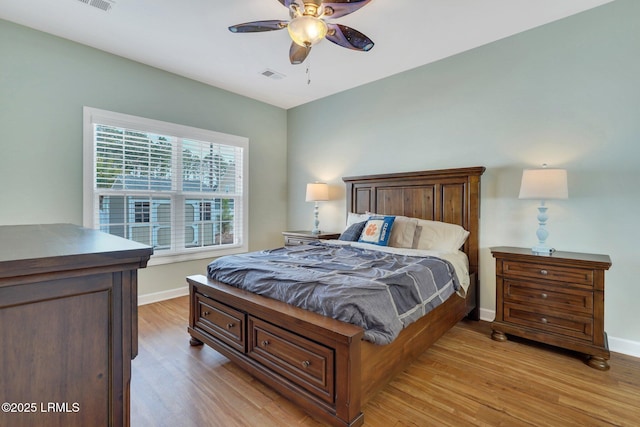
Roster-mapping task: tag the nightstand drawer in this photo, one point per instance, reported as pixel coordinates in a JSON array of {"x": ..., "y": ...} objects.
[
  {"x": 297, "y": 241},
  {"x": 297, "y": 238},
  {"x": 550, "y": 321},
  {"x": 573, "y": 275},
  {"x": 575, "y": 300}
]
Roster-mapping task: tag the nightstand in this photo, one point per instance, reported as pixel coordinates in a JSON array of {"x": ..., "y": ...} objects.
[
  {"x": 295, "y": 238},
  {"x": 556, "y": 299}
]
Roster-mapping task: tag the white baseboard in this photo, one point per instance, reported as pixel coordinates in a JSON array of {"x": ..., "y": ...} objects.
[
  {"x": 164, "y": 295},
  {"x": 624, "y": 346},
  {"x": 487, "y": 315},
  {"x": 619, "y": 345}
]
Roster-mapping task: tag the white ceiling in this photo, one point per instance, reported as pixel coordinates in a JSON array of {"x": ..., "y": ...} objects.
[{"x": 190, "y": 38}]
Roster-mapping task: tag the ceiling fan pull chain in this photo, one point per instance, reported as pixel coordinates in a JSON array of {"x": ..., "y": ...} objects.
[{"x": 308, "y": 71}]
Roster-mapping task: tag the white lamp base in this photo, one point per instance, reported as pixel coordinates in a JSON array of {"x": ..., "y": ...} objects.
[
  {"x": 316, "y": 221},
  {"x": 541, "y": 248}
]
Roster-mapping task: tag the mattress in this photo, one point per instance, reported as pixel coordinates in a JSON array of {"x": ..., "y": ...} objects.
[{"x": 377, "y": 288}]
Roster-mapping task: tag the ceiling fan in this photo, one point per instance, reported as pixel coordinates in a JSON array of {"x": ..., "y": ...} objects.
[{"x": 308, "y": 26}]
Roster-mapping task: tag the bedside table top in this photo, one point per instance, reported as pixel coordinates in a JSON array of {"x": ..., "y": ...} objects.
[
  {"x": 307, "y": 233},
  {"x": 526, "y": 253}
]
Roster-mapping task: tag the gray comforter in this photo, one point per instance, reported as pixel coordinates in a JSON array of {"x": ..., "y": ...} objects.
[{"x": 378, "y": 291}]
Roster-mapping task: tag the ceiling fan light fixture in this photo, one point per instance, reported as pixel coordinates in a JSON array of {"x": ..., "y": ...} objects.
[
  {"x": 306, "y": 26},
  {"x": 307, "y": 30}
]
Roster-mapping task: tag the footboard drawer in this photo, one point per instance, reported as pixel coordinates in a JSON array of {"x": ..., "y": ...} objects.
[
  {"x": 221, "y": 321},
  {"x": 299, "y": 360}
]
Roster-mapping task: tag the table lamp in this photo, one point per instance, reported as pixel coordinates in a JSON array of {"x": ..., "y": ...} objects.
[
  {"x": 317, "y": 192},
  {"x": 543, "y": 184}
]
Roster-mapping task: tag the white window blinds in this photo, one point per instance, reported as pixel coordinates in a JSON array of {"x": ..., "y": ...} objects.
[{"x": 181, "y": 190}]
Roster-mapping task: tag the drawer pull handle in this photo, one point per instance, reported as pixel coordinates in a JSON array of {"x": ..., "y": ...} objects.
[
  {"x": 544, "y": 272},
  {"x": 265, "y": 343},
  {"x": 229, "y": 325},
  {"x": 306, "y": 364},
  {"x": 205, "y": 313},
  {"x": 544, "y": 296},
  {"x": 544, "y": 320}
]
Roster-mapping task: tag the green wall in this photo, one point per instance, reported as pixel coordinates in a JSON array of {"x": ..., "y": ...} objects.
[
  {"x": 44, "y": 83},
  {"x": 567, "y": 93}
]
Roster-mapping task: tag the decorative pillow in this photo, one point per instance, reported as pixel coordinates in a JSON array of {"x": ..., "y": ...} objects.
[
  {"x": 440, "y": 236},
  {"x": 403, "y": 231},
  {"x": 353, "y": 232},
  {"x": 377, "y": 230}
]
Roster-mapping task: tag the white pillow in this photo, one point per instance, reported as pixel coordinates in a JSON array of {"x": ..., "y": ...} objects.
[
  {"x": 440, "y": 236},
  {"x": 353, "y": 218}
]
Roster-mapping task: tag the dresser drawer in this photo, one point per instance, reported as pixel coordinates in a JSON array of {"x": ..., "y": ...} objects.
[
  {"x": 301, "y": 361},
  {"x": 582, "y": 277},
  {"x": 549, "y": 320},
  {"x": 567, "y": 299},
  {"x": 221, "y": 321}
]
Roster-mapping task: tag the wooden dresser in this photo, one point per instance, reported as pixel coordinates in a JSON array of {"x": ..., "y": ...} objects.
[
  {"x": 68, "y": 325},
  {"x": 557, "y": 299},
  {"x": 295, "y": 238}
]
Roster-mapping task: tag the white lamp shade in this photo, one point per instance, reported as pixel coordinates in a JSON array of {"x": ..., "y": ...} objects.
[
  {"x": 317, "y": 192},
  {"x": 544, "y": 184}
]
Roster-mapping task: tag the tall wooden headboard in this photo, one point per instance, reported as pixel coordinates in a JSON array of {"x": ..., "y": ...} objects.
[{"x": 448, "y": 195}]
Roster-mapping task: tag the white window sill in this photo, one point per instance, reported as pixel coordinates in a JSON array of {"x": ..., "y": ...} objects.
[{"x": 160, "y": 258}]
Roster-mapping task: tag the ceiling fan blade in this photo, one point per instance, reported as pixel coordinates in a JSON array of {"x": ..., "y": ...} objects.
[
  {"x": 286, "y": 3},
  {"x": 338, "y": 8},
  {"x": 297, "y": 53},
  {"x": 259, "y": 26},
  {"x": 348, "y": 37}
]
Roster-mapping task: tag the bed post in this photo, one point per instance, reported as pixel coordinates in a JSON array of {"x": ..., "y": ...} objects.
[{"x": 473, "y": 242}]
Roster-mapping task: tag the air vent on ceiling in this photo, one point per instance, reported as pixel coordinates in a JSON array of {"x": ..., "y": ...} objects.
[
  {"x": 272, "y": 74},
  {"x": 105, "y": 5}
]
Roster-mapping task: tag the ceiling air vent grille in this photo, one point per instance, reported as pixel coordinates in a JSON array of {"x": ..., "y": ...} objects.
[
  {"x": 272, "y": 74},
  {"x": 105, "y": 5}
]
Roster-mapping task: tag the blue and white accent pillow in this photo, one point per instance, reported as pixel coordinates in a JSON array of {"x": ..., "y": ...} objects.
[{"x": 377, "y": 230}]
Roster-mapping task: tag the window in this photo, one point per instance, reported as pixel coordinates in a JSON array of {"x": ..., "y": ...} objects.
[
  {"x": 205, "y": 211},
  {"x": 142, "y": 212},
  {"x": 179, "y": 189}
]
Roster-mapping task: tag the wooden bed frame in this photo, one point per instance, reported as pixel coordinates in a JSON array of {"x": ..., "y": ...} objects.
[{"x": 323, "y": 364}]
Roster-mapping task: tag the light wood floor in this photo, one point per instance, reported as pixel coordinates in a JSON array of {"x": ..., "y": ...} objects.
[{"x": 465, "y": 379}]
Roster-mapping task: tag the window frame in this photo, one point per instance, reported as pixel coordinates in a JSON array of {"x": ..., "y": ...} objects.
[{"x": 92, "y": 116}]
